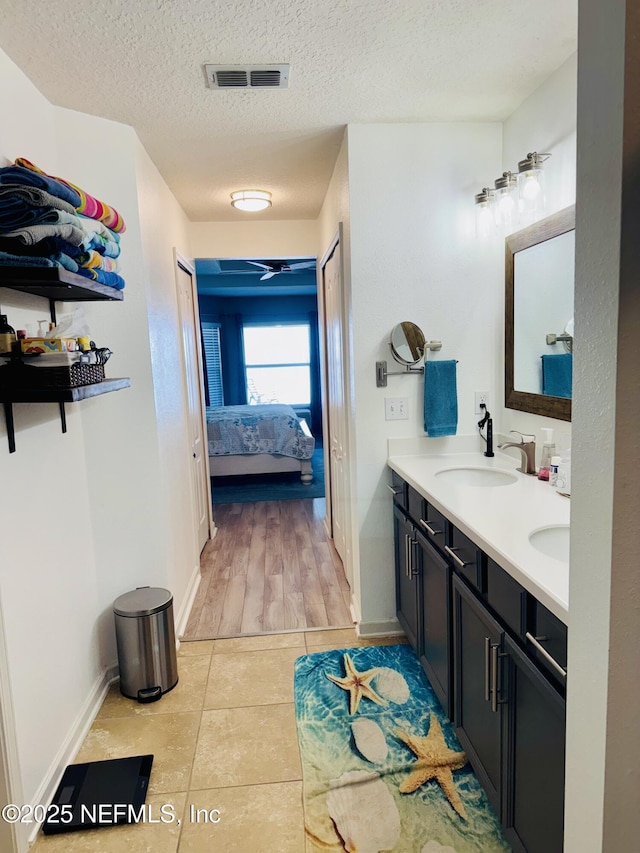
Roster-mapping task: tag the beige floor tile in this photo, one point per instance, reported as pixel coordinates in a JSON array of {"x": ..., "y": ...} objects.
[
  {"x": 263, "y": 641},
  {"x": 187, "y": 695},
  {"x": 170, "y": 738},
  {"x": 383, "y": 641},
  {"x": 195, "y": 647},
  {"x": 246, "y": 746},
  {"x": 134, "y": 838},
  {"x": 253, "y": 819},
  {"x": 251, "y": 678},
  {"x": 339, "y": 637}
]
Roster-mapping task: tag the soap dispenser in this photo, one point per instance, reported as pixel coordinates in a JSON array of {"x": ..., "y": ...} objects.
[{"x": 548, "y": 450}]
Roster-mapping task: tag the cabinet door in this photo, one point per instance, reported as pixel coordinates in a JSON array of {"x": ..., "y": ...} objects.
[
  {"x": 478, "y": 709},
  {"x": 407, "y": 577},
  {"x": 436, "y": 620},
  {"x": 533, "y": 792}
]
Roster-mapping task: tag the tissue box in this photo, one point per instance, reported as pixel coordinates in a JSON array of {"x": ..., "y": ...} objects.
[{"x": 48, "y": 345}]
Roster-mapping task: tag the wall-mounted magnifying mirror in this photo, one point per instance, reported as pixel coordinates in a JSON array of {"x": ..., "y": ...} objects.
[
  {"x": 407, "y": 343},
  {"x": 539, "y": 278}
]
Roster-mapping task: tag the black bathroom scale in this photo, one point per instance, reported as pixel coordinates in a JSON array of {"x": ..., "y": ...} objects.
[{"x": 100, "y": 794}]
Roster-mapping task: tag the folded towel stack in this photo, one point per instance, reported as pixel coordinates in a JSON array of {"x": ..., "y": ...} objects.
[{"x": 50, "y": 222}]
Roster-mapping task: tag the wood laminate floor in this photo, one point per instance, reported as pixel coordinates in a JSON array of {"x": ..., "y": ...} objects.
[{"x": 270, "y": 567}]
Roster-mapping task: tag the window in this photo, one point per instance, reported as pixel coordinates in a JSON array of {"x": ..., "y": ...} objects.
[
  {"x": 212, "y": 364},
  {"x": 277, "y": 363}
]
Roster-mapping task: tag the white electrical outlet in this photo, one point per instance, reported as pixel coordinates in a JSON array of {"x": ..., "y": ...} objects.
[
  {"x": 396, "y": 408},
  {"x": 481, "y": 397}
]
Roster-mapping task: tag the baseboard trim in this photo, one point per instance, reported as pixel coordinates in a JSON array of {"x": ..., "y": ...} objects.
[
  {"x": 185, "y": 611},
  {"x": 387, "y": 628},
  {"x": 70, "y": 747},
  {"x": 355, "y": 611}
]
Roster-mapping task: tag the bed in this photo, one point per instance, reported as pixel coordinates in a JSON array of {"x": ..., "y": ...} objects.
[{"x": 263, "y": 439}]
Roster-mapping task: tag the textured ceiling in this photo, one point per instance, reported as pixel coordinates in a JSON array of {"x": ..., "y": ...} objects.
[{"x": 141, "y": 62}]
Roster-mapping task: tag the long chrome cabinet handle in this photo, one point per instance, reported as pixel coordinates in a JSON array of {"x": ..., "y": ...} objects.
[
  {"x": 392, "y": 489},
  {"x": 406, "y": 554},
  {"x": 429, "y": 529},
  {"x": 413, "y": 547},
  {"x": 545, "y": 654},
  {"x": 487, "y": 668},
  {"x": 454, "y": 556},
  {"x": 494, "y": 677}
]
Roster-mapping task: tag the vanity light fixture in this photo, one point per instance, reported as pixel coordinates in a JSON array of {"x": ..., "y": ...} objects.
[
  {"x": 506, "y": 202},
  {"x": 530, "y": 184},
  {"x": 251, "y": 200},
  {"x": 485, "y": 220}
]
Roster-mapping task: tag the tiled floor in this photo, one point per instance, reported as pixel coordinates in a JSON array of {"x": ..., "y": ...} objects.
[{"x": 224, "y": 739}]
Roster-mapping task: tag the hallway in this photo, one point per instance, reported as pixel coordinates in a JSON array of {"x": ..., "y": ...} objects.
[{"x": 271, "y": 567}]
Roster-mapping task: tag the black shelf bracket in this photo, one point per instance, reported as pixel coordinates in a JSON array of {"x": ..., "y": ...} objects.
[{"x": 11, "y": 434}]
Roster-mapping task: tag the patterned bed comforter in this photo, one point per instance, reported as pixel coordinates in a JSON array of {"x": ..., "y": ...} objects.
[{"x": 270, "y": 428}]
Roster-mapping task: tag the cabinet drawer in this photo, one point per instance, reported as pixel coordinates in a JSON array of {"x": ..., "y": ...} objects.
[
  {"x": 505, "y": 596},
  {"x": 399, "y": 489},
  {"x": 545, "y": 631},
  {"x": 434, "y": 526},
  {"x": 467, "y": 559},
  {"x": 415, "y": 504}
]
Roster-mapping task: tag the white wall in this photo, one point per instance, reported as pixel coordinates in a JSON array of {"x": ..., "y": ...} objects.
[
  {"x": 544, "y": 122},
  {"x": 414, "y": 256},
  {"x": 92, "y": 513},
  {"x": 258, "y": 239}
]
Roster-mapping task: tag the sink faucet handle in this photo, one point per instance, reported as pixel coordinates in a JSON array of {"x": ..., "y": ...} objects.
[{"x": 523, "y": 435}]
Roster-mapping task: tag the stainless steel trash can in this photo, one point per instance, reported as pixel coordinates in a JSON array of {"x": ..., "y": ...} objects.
[{"x": 146, "y": 643}]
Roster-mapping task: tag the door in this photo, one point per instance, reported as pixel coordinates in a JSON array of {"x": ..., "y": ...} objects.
[
  {"x": 478, "y": 710},
  {"x": 534, "y": 757},
  {"x": 336, "y": 406},
  {"x": 195, "y": 401},
  {"x": 436, "y": 620},
  {"x": 407, "y": 577}
]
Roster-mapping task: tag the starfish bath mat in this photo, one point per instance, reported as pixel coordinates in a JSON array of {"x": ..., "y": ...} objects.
[{"x": 382, "y": 768}]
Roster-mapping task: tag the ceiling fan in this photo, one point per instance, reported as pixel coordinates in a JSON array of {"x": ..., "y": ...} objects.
[{"x": 276, "y": 267}]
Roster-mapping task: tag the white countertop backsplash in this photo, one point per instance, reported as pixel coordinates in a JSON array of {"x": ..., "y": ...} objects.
[{"x": 498, "y": 519}]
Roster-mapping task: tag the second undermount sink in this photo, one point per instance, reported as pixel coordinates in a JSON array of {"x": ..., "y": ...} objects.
[
  {"x": 553, "y": 541},
  {"x": 470, "y": 476}
]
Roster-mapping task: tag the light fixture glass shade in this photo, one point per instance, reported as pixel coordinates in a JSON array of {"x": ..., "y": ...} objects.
[
  {"x": 485, "y": 219},
  {"x": 531, "y": 197},
  {"x": 506, "y": 203},
  {"x": 251, "y": 200}
]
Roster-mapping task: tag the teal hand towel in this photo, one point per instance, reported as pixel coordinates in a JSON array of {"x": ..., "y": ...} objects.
[
  {"x": 557, "y": 374},
  {"x": 440, "y": 398}
]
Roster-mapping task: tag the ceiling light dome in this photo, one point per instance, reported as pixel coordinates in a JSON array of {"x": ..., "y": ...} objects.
[{"x": 252, "y": 200}]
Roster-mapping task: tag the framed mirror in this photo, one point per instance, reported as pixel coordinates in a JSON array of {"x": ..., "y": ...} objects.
[
  {"x": 539, "y": 279},
  {"x": 407, "y": 343}
]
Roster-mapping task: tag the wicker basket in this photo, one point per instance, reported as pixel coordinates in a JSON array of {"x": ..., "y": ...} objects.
[{"x": 20, "y": 375}]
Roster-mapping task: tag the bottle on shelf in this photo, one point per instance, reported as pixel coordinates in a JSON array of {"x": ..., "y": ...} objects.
[
  {"x": 7, "y": 335},
  {"x": 548, "y": 450}
]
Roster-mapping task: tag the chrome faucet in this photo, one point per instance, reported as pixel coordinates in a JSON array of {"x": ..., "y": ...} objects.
[{"x": 527, "y": 449}]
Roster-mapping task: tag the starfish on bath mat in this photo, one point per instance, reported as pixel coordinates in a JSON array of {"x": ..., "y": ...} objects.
[
  {"x": 358, "y": 684},
  {"x": 435, "y": 761}
]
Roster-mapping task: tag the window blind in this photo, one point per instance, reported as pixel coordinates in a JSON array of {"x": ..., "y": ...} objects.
[{"x": 213, "y": 363}]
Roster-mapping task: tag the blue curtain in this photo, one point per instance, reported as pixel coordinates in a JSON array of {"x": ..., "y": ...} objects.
[{"x": 232, "y": 347}]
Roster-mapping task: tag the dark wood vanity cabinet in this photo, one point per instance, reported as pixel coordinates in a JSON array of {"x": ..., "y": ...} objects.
[{"x": 496, "y": 659}]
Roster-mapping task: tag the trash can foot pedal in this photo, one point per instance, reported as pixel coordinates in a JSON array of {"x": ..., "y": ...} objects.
[{"x": 149, "y": 694}]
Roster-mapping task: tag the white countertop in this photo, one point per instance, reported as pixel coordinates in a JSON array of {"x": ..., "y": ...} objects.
[{"x": 498, "y": 519}]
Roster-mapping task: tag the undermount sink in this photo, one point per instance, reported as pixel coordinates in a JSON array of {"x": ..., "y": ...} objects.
[
  {"x": 476, "y": 476},
  {"x": 553, "y": 541}
]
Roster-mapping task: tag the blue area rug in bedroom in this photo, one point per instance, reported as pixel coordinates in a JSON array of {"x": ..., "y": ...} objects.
[{"x": 269, "y": 487}]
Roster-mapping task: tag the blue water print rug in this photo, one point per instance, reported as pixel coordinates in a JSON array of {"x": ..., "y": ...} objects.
[{"x": 382, "y": 768}]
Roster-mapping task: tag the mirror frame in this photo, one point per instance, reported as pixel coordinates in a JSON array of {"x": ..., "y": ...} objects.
[{"x": 536, "y": 404}]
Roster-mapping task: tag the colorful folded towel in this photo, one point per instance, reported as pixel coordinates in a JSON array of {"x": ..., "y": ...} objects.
[
  {"x": 86, "y": 204},
  {"x": 21, "y": 175},
  {"x": 103, "y": 277},
  {"x": 94, "y": 227},
  {"x": 9, "y": 260},
  {"x": 44, "y": 248},
  {"x": 65, "y": 261},
  {"x": 35, "y": 233},
  {"x": 91, "y": 260},
  {"x": 33, "y": 196},
  {"x": 16, "y": 214}
]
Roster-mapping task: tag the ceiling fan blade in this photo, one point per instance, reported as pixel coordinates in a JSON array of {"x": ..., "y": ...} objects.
[
  {"x": 257, "y": 264},
  {"x": 303, "y": 265},
  {"x": 268, "y": 275}
]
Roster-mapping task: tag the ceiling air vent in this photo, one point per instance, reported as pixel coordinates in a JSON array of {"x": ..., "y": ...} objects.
[{"x": 247, "y": 76}]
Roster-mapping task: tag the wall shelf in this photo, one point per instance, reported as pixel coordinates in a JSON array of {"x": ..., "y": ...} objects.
[{"x": 55, "y": 284}]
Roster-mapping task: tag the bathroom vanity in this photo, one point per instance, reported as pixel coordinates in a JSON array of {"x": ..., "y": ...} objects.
[{"x": 482, "y": 577}]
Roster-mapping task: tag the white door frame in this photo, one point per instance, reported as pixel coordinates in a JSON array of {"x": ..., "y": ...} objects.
[
  {"x": 10, "y": 783},
  {"x": 188, "y": 267}
]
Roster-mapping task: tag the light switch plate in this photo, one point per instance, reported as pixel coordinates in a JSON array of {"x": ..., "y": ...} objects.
[{"x": 396, "y": 408}]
